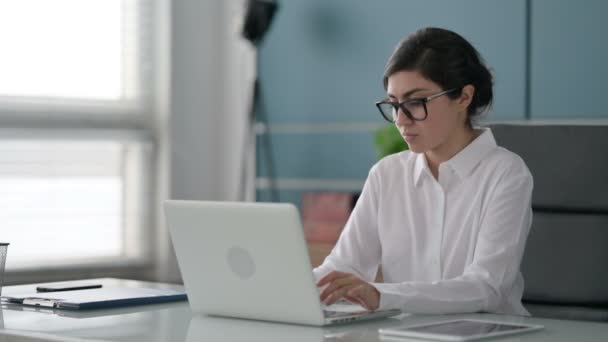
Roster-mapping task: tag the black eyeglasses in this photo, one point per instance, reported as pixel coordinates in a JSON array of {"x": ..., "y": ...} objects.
[{"x": 414, "y": 109}]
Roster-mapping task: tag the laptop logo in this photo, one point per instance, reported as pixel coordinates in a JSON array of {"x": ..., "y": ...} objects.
[{"x": 240, "y": 262}]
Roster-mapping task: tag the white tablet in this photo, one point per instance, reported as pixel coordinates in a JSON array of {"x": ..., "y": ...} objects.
[{"x": 458, "y": 330}]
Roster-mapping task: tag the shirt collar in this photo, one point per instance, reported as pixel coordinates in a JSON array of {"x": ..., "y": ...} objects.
[
  {"x": 469, "y": 157},
  {"x": 420, "y": 167},
  {"x": 464, "y": 161}
]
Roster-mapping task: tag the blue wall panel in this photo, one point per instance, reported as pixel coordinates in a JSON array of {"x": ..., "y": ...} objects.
[
  {"x": 569, "y": 56},
  {"x": 322, "y": 61},
  {"x": 319, "y": 155}
]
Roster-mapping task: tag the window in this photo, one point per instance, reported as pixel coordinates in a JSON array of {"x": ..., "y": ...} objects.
[
  {"x": 62, "y": 48},
  {"x": 76, "y": 131}
]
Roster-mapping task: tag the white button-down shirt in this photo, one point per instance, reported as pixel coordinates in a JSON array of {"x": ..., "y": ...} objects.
[{"x": 445, "y": 246}]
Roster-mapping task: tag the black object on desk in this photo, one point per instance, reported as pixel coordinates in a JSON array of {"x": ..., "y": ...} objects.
[{"x": 66, "y": 287}]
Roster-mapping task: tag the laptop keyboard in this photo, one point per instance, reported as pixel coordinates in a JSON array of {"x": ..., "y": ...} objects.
[
  {"x": 332, "y": 313},
  {"x": 342, "y": 308}
]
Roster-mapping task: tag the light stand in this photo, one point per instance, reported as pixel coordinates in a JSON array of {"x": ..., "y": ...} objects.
[{"x": 257, "y": 21}]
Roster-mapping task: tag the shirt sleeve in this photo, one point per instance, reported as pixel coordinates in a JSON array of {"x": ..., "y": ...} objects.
[
  {"x": 495, "y": 266},
  {"x": 358, "y": 250}
]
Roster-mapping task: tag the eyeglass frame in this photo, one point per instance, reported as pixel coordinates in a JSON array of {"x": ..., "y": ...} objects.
[{"x": 399, "y": 105}]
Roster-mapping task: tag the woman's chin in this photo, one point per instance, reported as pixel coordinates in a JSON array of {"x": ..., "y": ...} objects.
[{"x": 415, "y": 148}]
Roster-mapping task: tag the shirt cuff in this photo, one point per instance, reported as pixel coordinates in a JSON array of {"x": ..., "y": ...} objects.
[{"x": 388, "y": 298}]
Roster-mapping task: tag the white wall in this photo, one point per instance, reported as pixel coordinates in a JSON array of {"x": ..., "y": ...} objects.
[{"x": 210, "y": 71}]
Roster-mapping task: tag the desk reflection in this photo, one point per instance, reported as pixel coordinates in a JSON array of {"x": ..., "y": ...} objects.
[{"x": 206, "y": 328}]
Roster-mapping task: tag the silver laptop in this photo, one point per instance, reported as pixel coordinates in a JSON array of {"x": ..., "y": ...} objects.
[{"x": 249, "y": 260}]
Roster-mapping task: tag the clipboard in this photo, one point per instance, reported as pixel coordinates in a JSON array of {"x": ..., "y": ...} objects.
[{"x": 106, "y": 297}]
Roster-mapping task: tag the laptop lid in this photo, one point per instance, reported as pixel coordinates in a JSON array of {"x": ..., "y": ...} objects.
[{"x": 246, "y": 260}]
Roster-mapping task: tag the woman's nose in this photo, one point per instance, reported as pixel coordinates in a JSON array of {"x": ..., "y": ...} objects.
[{"x": 402, "y": 119}]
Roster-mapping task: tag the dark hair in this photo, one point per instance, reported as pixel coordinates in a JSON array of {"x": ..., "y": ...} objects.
[{"x": 447, "y": 59}]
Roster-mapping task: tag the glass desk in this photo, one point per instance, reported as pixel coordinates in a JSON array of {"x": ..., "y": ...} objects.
[{"x": 174, "y": 322}]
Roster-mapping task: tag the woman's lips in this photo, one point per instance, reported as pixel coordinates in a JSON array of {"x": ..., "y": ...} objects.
[{"x": 410, "y": 137}]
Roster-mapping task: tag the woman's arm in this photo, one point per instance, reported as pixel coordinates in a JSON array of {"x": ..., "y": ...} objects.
[{"x": 358, "y": 248}]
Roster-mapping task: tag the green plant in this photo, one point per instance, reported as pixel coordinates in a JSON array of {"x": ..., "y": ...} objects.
[{"x": 388, "y": 140}]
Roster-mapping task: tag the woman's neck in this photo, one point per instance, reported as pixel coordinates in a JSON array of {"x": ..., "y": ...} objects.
[{"x": 449, "y": 148}]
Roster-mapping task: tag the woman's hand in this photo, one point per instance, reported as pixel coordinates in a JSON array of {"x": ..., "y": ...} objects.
[{"x": 346, "y": 285}]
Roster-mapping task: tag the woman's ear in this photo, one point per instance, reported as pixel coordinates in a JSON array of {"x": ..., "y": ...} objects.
[{"x": 466, "y": 97}]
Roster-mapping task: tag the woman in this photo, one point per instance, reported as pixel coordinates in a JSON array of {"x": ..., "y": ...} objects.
[{"x": 447, "y": 221}]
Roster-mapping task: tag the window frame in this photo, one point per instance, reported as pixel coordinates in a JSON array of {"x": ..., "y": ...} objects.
[{"x": 135, "y": 119}]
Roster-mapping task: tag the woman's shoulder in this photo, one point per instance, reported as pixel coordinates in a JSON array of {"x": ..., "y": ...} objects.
[
  {"x": 509, "y": 161},
  {"x": 394, "y": 163}
]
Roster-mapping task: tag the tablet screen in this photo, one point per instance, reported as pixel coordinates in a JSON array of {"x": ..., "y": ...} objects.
[
  {"x": 458, "y": 330},
  {"x": 465, "y": 328}
]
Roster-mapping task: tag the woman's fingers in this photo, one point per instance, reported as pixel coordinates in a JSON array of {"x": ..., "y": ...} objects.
[
  {"x": 336, "y": 295},
  {"x": 342, "y": 285},
  {"x": 358, "y": 293},
  {"x": 329, "y": 277},
  {"x": 335, "y": 285},
  {"x": 355, "y": 300},
  {"x": 367, "y": 294}
]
